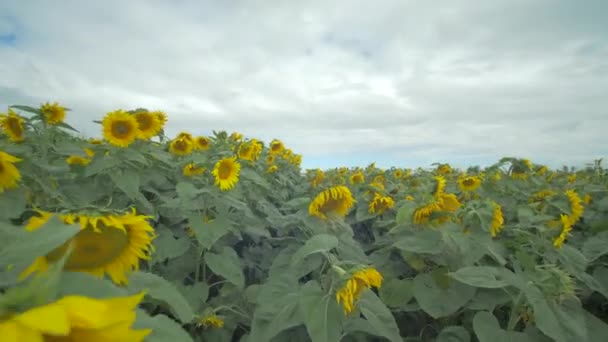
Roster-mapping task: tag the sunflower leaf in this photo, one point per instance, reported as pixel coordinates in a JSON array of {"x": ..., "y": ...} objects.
[
  {"x": 163, "y": 328},
  {"x": 160, "y": 289},
  {"x": 317, "y": 244},
  {"x": 228, "y": 265}
]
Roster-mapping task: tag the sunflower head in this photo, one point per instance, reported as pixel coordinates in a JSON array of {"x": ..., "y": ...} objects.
[
  {"x": 270, "y": 159},
  {"x": 120, "y": 128},
  {"x": 444, "y": 169},
  {"x": 246, "y": 152},
  {"x": 576, "y": 206},
  {"x": 12, "y": 125},
  {"x": 469, "y": 183},
  {"x": 319, "y": 177},
  {"x": 78, "y": 160},
  {"x": 272, "y": 169},
  {"x": 398, "y": 173},
  {"x": 380, "y": 204},
  {"x": 357, "y": 178},
  {"x": 181, "y": 146},
  {"x": 211, "y": 321},
  {"x": 296, "y": 160},
  {"x": 497, "y": 219},
  {"x": 202, "y": 143},
  {"x": 191, "y": 170},
  {"x": 337, "y": 200},
  {"x": 9, "y": 174},
  {"x": 276, "y": 146},
  {"x": 162, "y": 117},
  {"x": 52, "y": 113},
  {"x": 439, "y": 186},
  {"x": 148, "y": 123},
  {"x": 226, "y": 173},
  {"x": 111, "y": 244},
  {"x": 236, "y": 136},
  {"x": 354, "y": 286}
]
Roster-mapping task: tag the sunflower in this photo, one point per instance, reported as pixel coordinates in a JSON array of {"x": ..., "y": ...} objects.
[
  {"x": 380, "y": 204},
  {"x": 76, "y": 318},
  {"x": 440, "y": 186},
  {"x": 162, "y": 117},
  {"x": 257, "y": 147},
  {"x": 542, "y": 170},
  {"x": 379, "y": 179},
  {"x": 422, "y": 214},
  {"x": 497, "y": 219},
  {"x": 120, "y": 128},
  {"x": 448, "y": 202},
  {"x": 336, "y": 200},
  {"x": 444, "y": 169},
  {"x": 566, "y": 228},
  {"x": 9, "y": 174},
  {"x": 95, "y": 141},
  {"x": 236, "y": 136},
  {"x": 193, "y": 170},
  {"x": 270, "y": 159},
  {"x": 202, "y": 143},
  {"x": 276, "y": 147},
  {"x": 186, "y": 136},
  {"x": 296, "y": 160},
  {"x": 211, "y": 321},
  {"x": 576, "y": 206},
  {"x": 226, "y": 173},
  {"x": 363, "y": 279},
  {"x": 287, "y": 153},
  {"x": 519, "y": 175},
  {"x": 246, "y": 152},
  {"x": 469, "y": 183},
  {"x": 52, "y": 113},
  {"x": 572, "y": 178},
  {"x": 181, "y": 146},
  {"x": 12, "y": 125},
  {"x": 78, "y": 160},
  {"x": 357, "y": 178},
  {"x": 541, "y": 195},
  {"x": 398, "y": 173},
  {"x": 319, "y": 177},
  {"x": 409, "y": 198},
  {"x": 272, "y": 169},
  {"x": 112, "y": 245},
  {"x": 149, "y": 125}
]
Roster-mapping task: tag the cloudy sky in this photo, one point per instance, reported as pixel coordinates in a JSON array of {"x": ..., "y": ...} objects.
[{"x": 404, "y": 83}]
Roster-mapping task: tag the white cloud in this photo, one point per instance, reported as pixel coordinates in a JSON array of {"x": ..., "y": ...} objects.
[{"x": 456, "y": 81}]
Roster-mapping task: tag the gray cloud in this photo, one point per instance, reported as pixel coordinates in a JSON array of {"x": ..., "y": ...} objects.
[{"x": 453, "y": 81}]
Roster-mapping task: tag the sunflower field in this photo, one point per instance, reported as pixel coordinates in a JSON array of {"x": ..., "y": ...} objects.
[{"x": 136, "y": 236}]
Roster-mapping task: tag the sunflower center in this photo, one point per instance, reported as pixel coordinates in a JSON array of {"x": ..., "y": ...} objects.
[
  {"x": 468, "y": 182},
  {"x": 121, "y": 129},
  {"x": 1, "y": 167},
  {"x": 144, "y": 121},
  {"x": 224, "y": 170},
  {"x": 93, "y": 249},
  {"x": 15, "y": 127},
  {"x": 203, "y": 142},
  {"x": 276, "y": 147},
  {"x": 181, "y": 145}
]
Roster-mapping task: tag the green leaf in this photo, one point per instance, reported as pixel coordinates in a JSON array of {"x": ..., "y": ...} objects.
[
  {"x": 160, "y": 289},
  {"x": 426, "y": 241},
  {"x": 320, "y": 243},
  {"x": 486, "y": 327},
  {"x": 488, "y": 299},
  {"x": 480, "y": 276},
  {"x": 228, "y": 265},
  {"x": 167, "y": 246},
  {"x": 322, "y": 315},
  {"x": 405, "y": 213},
  {"x": 438, "y": 301},
  {"x": 397, "y": 293},
  {"x": 209, "y": 233},
  {"x": 84, "y": 284},
  {"x": 454, "y": 334},
  {"x": 596, "y": 246},
  {"x": 196, "y": 294},
  {"x": 27, "y": 109},
  {"x": 100, "y": 164},
  {"x": 12, "y": 203},
  {"x": 27, "y": 246},
  {"x": 163, "y": 328},
  {"x": 128, "y": 182},
  {"x": 379, "y": 316},
  {"x": 254, "y": 177}
]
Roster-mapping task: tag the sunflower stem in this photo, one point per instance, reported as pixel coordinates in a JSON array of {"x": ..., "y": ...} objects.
[
  {"x": 199, "y": 260},
  {"x": 514, "y": 316}
]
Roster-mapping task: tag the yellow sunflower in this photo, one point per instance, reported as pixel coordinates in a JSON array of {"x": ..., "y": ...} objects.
[
  {"x": 12, "y": 125},
  {"x": 270, "y": 159},
  {"x": 497, "y": 220},
  {"x": 380, "y": 204},
  {"x": 576, "y": 206},
  {"x": 9, "y": 174},
  {"x": 542, "y": 170},
  {"x": 193, "y": 170},
  {"x": 409, "y": 198},
  {"x": 246, "y": 152},
  {"x": 78, "y": 160},
  {"x": 181, "y": 146},
  {"x": 257, "y": 147},
  {"x": 296, "y": 160},
  {"x": 423, "y": 214},
  {"x": 236, "y": 136},
  {"x": 276, "y": 147},
  {"x": 272, "y": 169},
  {"x": 357, "y": 178},
  {"x": 398, "y": 173},
  {"x": 76, "y": 318},
  {"x": 120, "y": 128},
  {"x": 95, "y": 141},
  {"x": 211, "y": 321},
  {"x": 541, "y": 195},
  {"x": 319, "y": 177},
  {"x": 112, "y": 245},
  {"x": 444, "y": 169},
  {"x": 52, "y": 113},
  {"x": 440, "y": 186},
  {"x": 469, "y": 183},
  {"x": 202, "y": 143},
  {"x": 566, "y": 228},
  {"x": 350, "y": 293},
  {"x": 148, "y": 124},
  {"x": 379, "y": 179},
  {"x": 287, "y": 153},
  {"x": 336, "y": 200},
  {"x": 162, "y": 117},
  {"x": 226, "y": 173},
  {"x": 448, "y": 202}
]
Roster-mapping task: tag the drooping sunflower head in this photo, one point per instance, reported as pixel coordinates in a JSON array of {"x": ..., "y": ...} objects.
[
  {"x": 148, "y": 123},
  {"x": 558, "y": 242},
  {"x": 120, "y": 128},
  {"x": 246, "y": 152},
  {"x": 192, "y": 169},
  {"x": 110, "y": 245},
  {"x": 497, "y": 219},
  {"x": 423, "y": 214},
  {"x": 576, "y": 206},
  {"x": 357, "y": 178},
  {"x": 276, "y": 146},
  {"x": 337, "y": 200},
  {"x": 76, "y": 318},
  {"x": 380, "y": 204},
  {"x": 181, "y": 146},
  {"x": 351, "y": 291},
  {"x": 448, "y": 202},
  {"x": 52, "y": 113},
  {"x": 440, "y": 184},
  {"x": 12, "y": 126},
  {"x": 9, "y": 174},
  {"x": 202, "y": 143},
  {"x": 469, "y": 183},
  {"x": 226, "y": 173}
]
